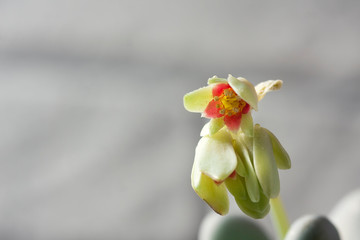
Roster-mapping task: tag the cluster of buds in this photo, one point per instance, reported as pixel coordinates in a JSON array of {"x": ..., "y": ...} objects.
[{"x": 233, "y": 154}]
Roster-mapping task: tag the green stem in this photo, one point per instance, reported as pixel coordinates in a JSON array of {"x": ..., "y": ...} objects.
[{"x": 278, "y": 217}]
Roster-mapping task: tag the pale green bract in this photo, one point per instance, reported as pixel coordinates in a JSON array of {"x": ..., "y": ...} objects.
[
  {"x": 244, "y": 162},
  {"x": 212, "y": 127},
  {"x": 216, "y": 156}
]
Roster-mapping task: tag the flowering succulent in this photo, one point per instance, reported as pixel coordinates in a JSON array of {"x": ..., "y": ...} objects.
[{"x": 233, "y": 154}]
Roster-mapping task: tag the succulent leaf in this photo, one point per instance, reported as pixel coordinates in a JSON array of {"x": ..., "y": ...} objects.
[
  {"x": 281, "y": 156},
  {"x": 251, "y": 181},
  {"x": 264, "y": 163}
]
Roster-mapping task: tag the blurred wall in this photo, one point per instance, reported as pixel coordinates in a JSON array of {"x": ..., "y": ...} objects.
[{"x": 95, "y": 143}]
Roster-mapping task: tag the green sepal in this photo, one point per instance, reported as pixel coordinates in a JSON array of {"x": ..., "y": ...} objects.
[
  {"x": 212, "y": 127},
  {"x": 215, "y": 79},
  {"x": 251, "y": 181},
  {"x": 197, "y": 101},
  {"x": 247, "y": 125},
  {"x": 244, "y": 89},
  {"x": 264, "y": 163},
  {"x": 216, "y": 156},
  {"x": 282, "y": 158}
]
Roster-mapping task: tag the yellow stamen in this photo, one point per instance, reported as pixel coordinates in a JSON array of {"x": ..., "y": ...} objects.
[{"x": 232, "y": 104}]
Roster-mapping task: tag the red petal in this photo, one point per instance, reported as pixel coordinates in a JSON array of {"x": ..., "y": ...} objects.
[
  {"x": 212, "y": 111},
  {"x": 246, "y": 109},
  {"x": 233, "y": 122},
  {"x": 219, "y": 88}
]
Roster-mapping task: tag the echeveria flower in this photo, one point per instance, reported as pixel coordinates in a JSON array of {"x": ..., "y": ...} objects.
[
  {"x": 223, "y": 100},
  {"x": 241, "y": 158}
]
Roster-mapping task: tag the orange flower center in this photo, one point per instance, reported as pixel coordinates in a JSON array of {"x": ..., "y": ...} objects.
[{"x": 229, "y": 103}]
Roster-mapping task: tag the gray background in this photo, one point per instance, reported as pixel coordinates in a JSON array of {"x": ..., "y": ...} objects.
[{"x": 94, "y": 140}]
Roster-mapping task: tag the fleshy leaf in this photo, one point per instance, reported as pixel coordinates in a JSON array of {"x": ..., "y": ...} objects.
[
  {"x": 197, "y": 101},
  {"x": 245, "y": 90},
  {"x": 346, "y": 215},
  {"x": 247, "y": 125},
  {"x": 257, "y": 209},
  {"x": 281, "y": 156},
  {"x": 313, "y": 227},
  {"x": 267, "y": 86},
  {"x": 213, "y": 194},
  {"x": 231, "y": 228},
  {"x": 216, "y": 156},
  {"x": 215, "y": 79},
  {"x": 240, "y": 168},
  {"x": 251, "y": 181},
  {"x": 236, "y": 187},
  {"x": 264, "y": 163}
]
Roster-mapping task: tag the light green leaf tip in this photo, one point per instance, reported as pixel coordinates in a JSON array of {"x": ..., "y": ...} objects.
[
  {"x": 215, "y": 79},
  {"x": 216, "y": 156},
  {"x": 214, "y": 195},
  {"x": 281, "y": 156},
  {"x": 197, "y": 101},
  {"x": 245, "y": 90},
  {"x": 264, "y": 163}
]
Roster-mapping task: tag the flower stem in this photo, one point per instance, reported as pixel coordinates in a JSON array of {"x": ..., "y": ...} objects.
[{"x": 278, "y": 217}]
